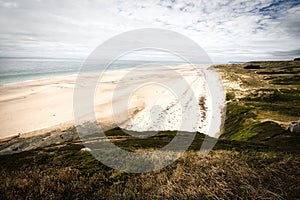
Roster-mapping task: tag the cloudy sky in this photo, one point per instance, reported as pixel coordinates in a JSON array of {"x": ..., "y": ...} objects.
[{"x": 228, "y": 30}]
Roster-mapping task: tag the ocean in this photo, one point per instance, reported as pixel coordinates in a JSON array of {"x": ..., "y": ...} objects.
[{"x": 16, "y": 70}]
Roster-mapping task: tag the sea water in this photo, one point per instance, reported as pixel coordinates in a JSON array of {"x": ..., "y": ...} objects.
[{"x": 16, "y": 70}]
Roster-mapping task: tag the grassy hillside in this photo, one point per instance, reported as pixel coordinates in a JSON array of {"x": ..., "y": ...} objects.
[
  {"x": 263, "y": 101},
  {"x": 255, "y": 158}
]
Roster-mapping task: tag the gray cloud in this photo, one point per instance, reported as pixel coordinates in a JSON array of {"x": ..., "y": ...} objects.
[{"x": 295, "y": 53}]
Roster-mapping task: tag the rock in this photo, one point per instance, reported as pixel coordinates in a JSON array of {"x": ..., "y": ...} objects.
[
  {"x": 86, "y": 149},
  {"x": 294, "y": 127}
]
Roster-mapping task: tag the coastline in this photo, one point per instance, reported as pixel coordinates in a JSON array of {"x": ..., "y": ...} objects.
[
  {"x": 38, "y": 78},
  {"x": 31, "y": 107}
]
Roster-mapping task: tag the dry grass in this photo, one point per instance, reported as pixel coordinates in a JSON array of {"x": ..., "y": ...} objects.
[{"x": 222, "y": 175}]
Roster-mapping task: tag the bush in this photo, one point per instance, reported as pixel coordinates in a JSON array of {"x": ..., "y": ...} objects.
[{"x": 252, "y": 67}]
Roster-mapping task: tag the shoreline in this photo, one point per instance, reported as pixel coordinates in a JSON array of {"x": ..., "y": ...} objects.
[
  {"x": 38, "y": 79},
  {"x": 31, "y": 107}
]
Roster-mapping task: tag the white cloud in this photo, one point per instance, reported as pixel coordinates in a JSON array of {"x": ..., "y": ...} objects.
[{"x": 226, "y": 29}]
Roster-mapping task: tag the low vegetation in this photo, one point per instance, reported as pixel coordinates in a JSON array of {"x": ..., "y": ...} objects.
[{"x": 234, "y": 170}]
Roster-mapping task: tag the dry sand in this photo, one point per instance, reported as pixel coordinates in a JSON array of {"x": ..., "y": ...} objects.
[{"x": 148, "y": 95}]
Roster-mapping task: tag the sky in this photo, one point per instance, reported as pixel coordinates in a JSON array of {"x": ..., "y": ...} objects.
[{"x": 228, "y": 30}]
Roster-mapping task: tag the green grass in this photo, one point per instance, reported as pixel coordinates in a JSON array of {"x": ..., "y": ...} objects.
[
  {"x": 243, "y": 120},
  {"x": 238, "y": 118},
  {"x": 266, "y": 104}
]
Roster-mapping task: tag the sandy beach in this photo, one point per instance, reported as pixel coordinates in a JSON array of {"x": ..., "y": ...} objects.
[{"x": 37, "y": 106}]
